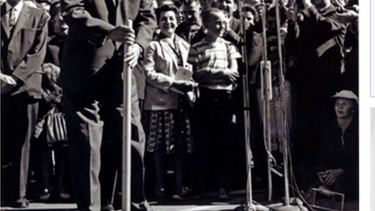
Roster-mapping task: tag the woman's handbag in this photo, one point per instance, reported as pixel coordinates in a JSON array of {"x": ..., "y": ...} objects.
[{"x": 55, "y": 127}]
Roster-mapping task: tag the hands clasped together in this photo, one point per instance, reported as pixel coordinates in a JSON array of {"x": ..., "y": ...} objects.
[{"x": 329, "y": 177}]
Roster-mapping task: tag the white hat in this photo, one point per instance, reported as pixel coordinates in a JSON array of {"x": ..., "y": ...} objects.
[{"x": 346, "y": 94}]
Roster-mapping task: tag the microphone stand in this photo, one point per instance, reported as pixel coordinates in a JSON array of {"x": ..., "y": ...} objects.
[
  {"x": 266, "y": 96},
  {"x": 287, "y": 206},
  {"x": 249, "y": 206}
]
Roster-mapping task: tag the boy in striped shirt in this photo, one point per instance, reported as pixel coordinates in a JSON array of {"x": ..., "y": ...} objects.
[{"x": 215, "y": 69}]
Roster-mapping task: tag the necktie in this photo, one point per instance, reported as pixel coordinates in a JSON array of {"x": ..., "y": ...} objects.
[
  {"x": 12, "y": 18},
  {"x": 114, "y": 14}
]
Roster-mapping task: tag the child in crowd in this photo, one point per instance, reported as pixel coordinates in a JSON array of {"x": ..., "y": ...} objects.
[{"x": 216, "y": 71}]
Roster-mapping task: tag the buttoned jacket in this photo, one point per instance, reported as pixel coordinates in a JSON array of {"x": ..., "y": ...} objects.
[
  {"x": 23, "y": 48},
  {"x": 160, "y": 66}
]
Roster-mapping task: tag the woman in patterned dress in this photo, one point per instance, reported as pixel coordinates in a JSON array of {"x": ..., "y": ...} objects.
[{"x": 168, "y": 95}]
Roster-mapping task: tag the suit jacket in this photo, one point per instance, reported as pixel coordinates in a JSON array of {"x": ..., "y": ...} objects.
[
  {"x": 160, "y": 66},
  {"x": 87, "y": 50},
  {"x": 23, "y": 50},
  {"x": 191, "y": 33},
  {"x": 233, "y": 35}
]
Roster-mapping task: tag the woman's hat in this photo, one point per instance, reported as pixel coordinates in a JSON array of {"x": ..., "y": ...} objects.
[{"x": 346, "y": 94}]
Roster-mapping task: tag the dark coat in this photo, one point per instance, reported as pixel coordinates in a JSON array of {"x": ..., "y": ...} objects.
[
  {"x": 91, "y": 78},
  {"x": 87, "y": 51},
  {"x": 320, "y": 63}
]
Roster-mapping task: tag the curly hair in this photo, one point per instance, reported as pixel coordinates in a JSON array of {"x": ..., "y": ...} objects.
[{"x": 164, "y": 8}]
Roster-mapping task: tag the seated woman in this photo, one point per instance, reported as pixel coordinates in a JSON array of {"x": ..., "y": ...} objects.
[
  {"x": 169, "y": 86},
  {"x": 338, "y": 150}
]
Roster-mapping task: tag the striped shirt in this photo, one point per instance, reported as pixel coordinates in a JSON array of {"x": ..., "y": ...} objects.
[{"x": 213, "y": 56}]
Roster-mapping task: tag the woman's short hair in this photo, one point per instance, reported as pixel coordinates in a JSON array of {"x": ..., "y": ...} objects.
[
  {"x": 164, "y": 8},
  {"x": 251, "y": 8}
]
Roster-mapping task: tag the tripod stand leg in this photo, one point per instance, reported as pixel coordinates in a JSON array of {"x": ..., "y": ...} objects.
[{"x": 266, "y": 89}]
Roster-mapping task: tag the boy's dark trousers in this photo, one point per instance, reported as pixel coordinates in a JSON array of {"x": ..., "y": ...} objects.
[{"x": 212, "y": 129}]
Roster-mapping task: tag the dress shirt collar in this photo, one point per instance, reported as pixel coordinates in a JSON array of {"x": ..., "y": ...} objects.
[
  {"x": 195, "y": 27},
  {"x": 18, "y": 7}
]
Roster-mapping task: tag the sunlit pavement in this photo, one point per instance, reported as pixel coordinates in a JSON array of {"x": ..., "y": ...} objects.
[
  {"x": 156, "y": 207},
  {"x": 71, "y": 207},
  {"x": 206, "y": 202}
]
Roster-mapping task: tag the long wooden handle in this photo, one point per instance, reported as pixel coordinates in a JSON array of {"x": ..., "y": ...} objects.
[{"x": 126, "y": 131}]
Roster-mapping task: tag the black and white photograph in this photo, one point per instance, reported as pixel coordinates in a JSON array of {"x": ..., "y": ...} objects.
[{"x": 186, "y": 105}]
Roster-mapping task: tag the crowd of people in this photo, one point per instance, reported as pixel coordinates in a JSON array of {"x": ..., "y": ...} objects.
[{"x": 62, "y": 93}]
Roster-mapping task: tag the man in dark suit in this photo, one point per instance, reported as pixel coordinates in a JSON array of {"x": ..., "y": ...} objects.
[
  {"x": 191, "y": 29},
  {"x": 91, "y": 78},
  {"x": 23, "y": 47}
]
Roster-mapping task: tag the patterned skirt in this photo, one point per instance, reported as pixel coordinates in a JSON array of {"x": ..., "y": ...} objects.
[{"x": 168, "y": 131}]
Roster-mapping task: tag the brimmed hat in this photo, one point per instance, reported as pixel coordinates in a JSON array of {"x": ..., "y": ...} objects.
[{"x": 346, "y": 94}]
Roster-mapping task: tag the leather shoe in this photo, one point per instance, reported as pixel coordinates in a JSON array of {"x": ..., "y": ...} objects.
[
  {"x": 143, "y": 206},
  {"x": 22, "y": 203},
  {"x": 107, "y": 207},
  {"x": 64, "y": 195},
  {"x": 223, "y": 194},
  {"x": 45, "y": 195},
  {"x": 181, "y": 193}
]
